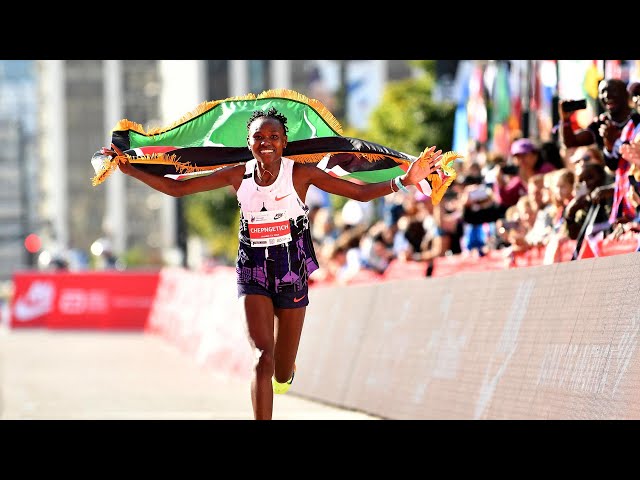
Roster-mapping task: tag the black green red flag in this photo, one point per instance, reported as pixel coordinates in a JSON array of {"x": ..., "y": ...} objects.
[{"x": 213, "y": 136}]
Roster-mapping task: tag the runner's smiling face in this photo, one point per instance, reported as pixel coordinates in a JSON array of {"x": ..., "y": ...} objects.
[{"x": 267, "y": 140}]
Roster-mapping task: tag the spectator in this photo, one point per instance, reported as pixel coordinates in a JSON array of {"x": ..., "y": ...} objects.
[
  {"x": 511, "y": 181},
  {"x": 375, "y": 250},
  {"x": 526, "y": 156},
  {"x": 494, "y": 162},
  {"x": 604, "y": 129},
  {"x": 476, "y": 195},
  {"x": 539, "y": 200},
  {"x": 622, "y": 210},
  {"x": 446, "y": 239},
  {"x": 591, "y": 178},
  {"x": 506, "y": 226},
  {"x": 550, "y": 153},
  {"x": 357, "y": 213},
  {"x": 323, "y": 228},
  {"x": 518, "y": 232},
  {"x": 345, "y": 256},
  {"x": 583, "y": 155},
  {"x": 561, "y": 186}
]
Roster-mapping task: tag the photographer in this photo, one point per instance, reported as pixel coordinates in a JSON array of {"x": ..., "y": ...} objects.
[
  {"x": 604, "y": 129},
  {"x": 476, "y": 195}
]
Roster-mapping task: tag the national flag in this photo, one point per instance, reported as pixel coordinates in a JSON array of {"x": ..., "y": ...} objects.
[
  {"x": 214, "y": 135},
  {"x": 501, "y": 103},
  {"x": 592, "y": 77},
  {"x": 590, "y": 248},
  {"x": 622, "y": 207}
]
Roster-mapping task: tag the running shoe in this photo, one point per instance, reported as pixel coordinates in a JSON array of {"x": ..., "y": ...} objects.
[{"x": 280, "y": 388}]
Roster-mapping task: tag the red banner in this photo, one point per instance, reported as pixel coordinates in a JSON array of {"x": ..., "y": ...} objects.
[{"x": 98, "y": 300}]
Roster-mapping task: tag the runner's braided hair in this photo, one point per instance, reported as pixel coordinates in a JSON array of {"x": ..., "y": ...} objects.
[{"x": 272, "y": 113}]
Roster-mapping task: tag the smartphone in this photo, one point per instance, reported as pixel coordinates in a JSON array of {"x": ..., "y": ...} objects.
[
  {"x": 573, "y": 105},
  {"x": 510, "y": 169}
]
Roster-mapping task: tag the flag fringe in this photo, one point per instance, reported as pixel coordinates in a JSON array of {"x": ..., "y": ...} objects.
[
  {"x": 438, "y": 186},
  {"x": 106, "y": 170},
  {"x": 155, "y": 159},
  {"x": 204, "y": 107}
]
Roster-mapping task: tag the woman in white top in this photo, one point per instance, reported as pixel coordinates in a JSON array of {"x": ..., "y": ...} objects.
[{"x": 275, "y": 253}]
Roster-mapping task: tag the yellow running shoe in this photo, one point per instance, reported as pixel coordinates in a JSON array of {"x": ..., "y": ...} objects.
[{"x": 280, "y": 388}]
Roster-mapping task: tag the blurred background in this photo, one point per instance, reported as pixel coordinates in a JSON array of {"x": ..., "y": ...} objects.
[{"x": 56, "y": 113}]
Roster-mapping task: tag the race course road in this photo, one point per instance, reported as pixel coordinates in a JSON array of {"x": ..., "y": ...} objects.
[{"x": 89, "y": 375}]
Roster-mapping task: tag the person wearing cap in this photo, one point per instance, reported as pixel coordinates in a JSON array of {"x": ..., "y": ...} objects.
[
  {"x": 511, "y": 181},
  {"x": 525, "y": 155}
]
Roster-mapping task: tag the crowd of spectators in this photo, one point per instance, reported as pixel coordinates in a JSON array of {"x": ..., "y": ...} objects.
[{"x": 541, "y": 194}]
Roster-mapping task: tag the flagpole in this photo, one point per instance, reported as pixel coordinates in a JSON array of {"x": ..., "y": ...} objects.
[
  {"x": 588, "y": 221},
  {"x": 555, "y": 107},
  {"x": 525, "y": 97}
]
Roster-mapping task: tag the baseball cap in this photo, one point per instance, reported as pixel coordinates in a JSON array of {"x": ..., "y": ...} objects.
[{"x": 523, "y": 145}]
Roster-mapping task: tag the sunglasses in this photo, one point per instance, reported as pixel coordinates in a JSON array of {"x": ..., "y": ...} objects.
[{"x": 585, "y": 158}]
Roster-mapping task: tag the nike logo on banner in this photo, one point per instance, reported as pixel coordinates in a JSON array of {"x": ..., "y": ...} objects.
[
  {"x": 296, "y": 299},
  {"x": 280, "y": 198}
]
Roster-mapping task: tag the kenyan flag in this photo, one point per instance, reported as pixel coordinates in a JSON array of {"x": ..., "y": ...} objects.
[{"x": 215, "y": 134}]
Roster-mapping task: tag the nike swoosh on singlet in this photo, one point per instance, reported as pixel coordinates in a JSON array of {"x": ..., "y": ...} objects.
[
  {"x": 296, "y": 299},
  {"x": 280, "y": 198}
]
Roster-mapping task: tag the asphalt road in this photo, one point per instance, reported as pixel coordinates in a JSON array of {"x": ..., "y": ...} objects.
[{"x": 88, "y": 375}]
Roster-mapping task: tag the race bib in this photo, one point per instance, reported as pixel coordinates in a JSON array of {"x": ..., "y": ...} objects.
[{"x": 269, "y": 228}]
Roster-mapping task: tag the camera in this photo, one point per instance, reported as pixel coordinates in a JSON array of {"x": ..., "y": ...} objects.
[
  {"x": 510, "y": 169},
  {"x": 473, "y": 180},
  {"x": 574, "y": 105}
]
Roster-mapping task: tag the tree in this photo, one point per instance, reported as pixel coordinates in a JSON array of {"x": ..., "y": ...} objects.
[
  {"x": 407, "y": 118},
  {"x": 214, "y": 216}
]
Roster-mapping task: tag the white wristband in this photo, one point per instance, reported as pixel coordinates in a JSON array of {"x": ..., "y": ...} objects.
[{"x": 400, "y": 185}]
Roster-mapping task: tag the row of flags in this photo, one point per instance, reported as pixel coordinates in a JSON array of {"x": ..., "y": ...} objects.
[{"x": 494, "y": 95}]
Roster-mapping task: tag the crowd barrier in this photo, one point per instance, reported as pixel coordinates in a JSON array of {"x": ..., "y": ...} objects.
[
  {"x": 495, "y": 260},
  {"x": 544, "y": 341},
  {"x": 554, "y": 341}
]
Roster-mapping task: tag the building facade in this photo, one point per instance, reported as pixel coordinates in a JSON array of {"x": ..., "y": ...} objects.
[{"x": 19, "y": 189}]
